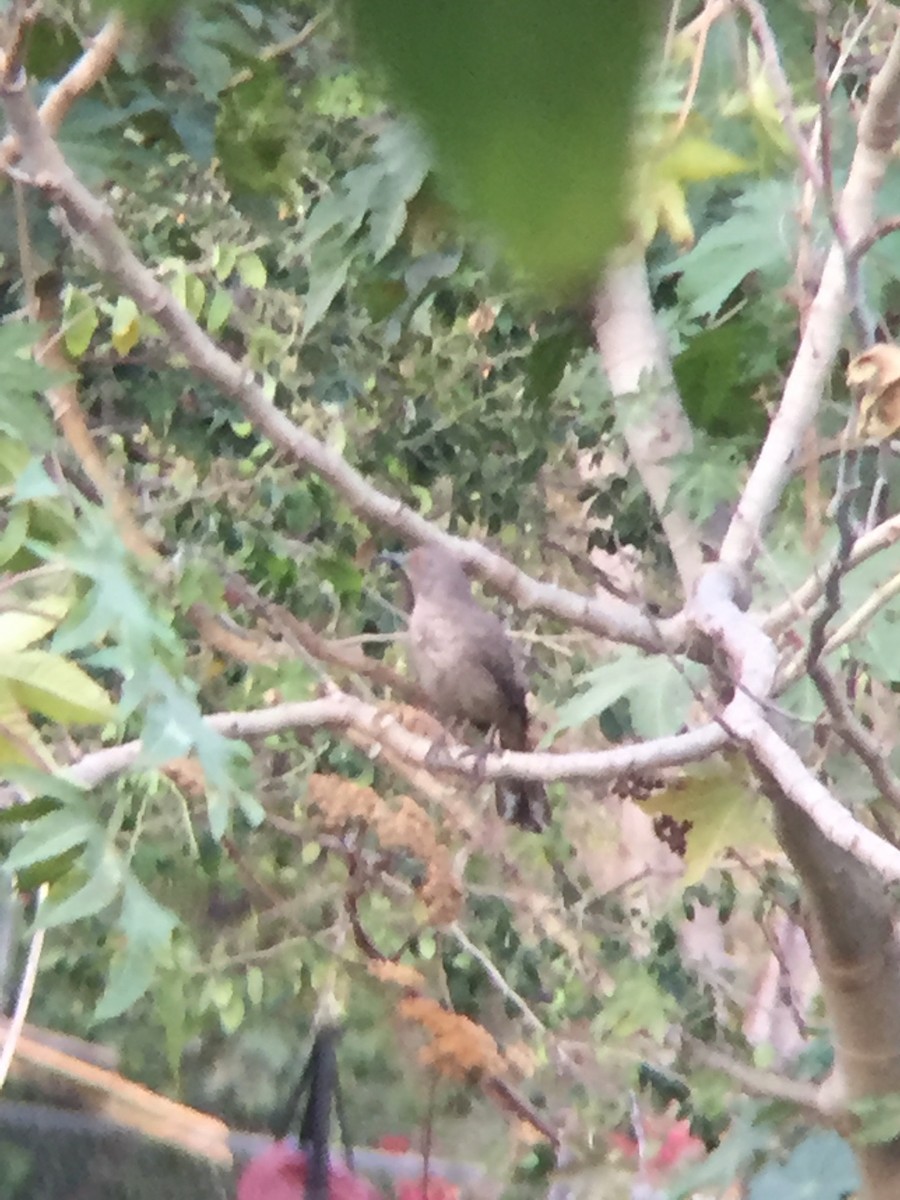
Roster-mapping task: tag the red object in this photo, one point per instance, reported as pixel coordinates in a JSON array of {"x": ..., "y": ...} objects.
[
  {"x": 395, "y": 1143},
  {"x": 676, "y": 1146},
  {"x": 279, "y": 1173}
]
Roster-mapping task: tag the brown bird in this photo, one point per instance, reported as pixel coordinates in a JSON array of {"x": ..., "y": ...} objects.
[{"x": 465, "y": 665}]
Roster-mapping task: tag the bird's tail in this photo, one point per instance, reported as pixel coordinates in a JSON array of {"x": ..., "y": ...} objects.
[{"x": 524, "y": 803}]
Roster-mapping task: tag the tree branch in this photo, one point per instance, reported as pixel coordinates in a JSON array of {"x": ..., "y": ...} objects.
[
  {"x": 654, "y": 425},
  {"x": 754, "y": 662},
  {"x": 87, "y": 71},
  {"x": 340, "y": 711}
]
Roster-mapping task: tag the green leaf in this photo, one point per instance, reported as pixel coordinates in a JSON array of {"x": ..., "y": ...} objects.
[
  {"x": 130, "y": 975},
  {"x": 224, "y": 260},
  {"x": 745, "y": 1141},
  {"x": 23, "y": 378},
  {"x": 635, "y": 1003},
  {"x": 143, "y": 919},
  {"x": 195, "y": 295},
  {"x": 39, "y": 783},
  {"x": 758, "y": 237},
  {"x": 659, "y": 692},
  {"x": 51, "y": 835},
  {"x": 34, "y": 484},
  {"x": 147, "y": 927},
  {"x": 327, "y": 275},
  {"x": 529, "y": 108},
  {"x": 879, "y": 1117},
  {"x": 219, "y": 310},
  {"x": 96, "y": 894}
]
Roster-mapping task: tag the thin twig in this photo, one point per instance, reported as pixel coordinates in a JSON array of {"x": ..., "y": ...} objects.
[
  {"x": 26, "y": 990},
  {"x": 798, "y": 604},
  {"x": 496, "y": 977},
  {"x": 866, "y": 611},
  {"x": 856, "y": 737}
]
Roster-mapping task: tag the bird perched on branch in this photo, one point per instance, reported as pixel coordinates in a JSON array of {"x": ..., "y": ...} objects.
[{"x": 466, "y": 666}]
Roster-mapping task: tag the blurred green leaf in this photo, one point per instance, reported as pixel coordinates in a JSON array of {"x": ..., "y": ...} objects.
[
  {"x": 529, "y": 108},
  {"x": 92, "y": 897},
  {"x": 53, "y": 834}
]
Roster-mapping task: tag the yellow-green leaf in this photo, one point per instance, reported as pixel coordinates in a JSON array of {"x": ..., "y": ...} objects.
[
  {"x": 45, "y": 683},
  {"x": 20, "y": 742},
  {"x": 80, "y": 323},
  {"x": 194, "y": 295},
  {"x": 219, "y": 310},
  {"x": 125, "y": 325},
  {"x": 178, "y": 288},
  {"x": 723, "y": 813},
  {"x": 694, "y": 160},
  {"x": 13, "y": 536},
  {"x": 19, "y": 630},
  {"x": 672, "y": 213},
  {"x": 224, "y": 260},
  {"x": 252, "y": 270}
]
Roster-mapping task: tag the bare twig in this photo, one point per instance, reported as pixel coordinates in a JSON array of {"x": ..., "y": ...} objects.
[
  {"x": 831, "y": 591},
  {"x": 808, "y": 593},
  {"x": 866, "y": 611},
  {"x": 882, "y": 230},
  {"x": 16, "y": 26},
  {"x": 496, "y": 977},
  {"x": 278, "y": 49},
  {"x": 856, "y": 736}
]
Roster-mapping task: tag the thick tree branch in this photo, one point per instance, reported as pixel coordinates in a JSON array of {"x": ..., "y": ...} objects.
[
  {"x": 44, "y": 166},
  {"x": 754, "y": 663},
  {"x": 821, "y": 340},
  {"x": 850, "y": 923},
  {"x": 654, "y": 425}
]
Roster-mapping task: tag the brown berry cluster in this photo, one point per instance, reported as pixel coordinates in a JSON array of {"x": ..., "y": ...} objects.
[{"x": 672, "y": 833}]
